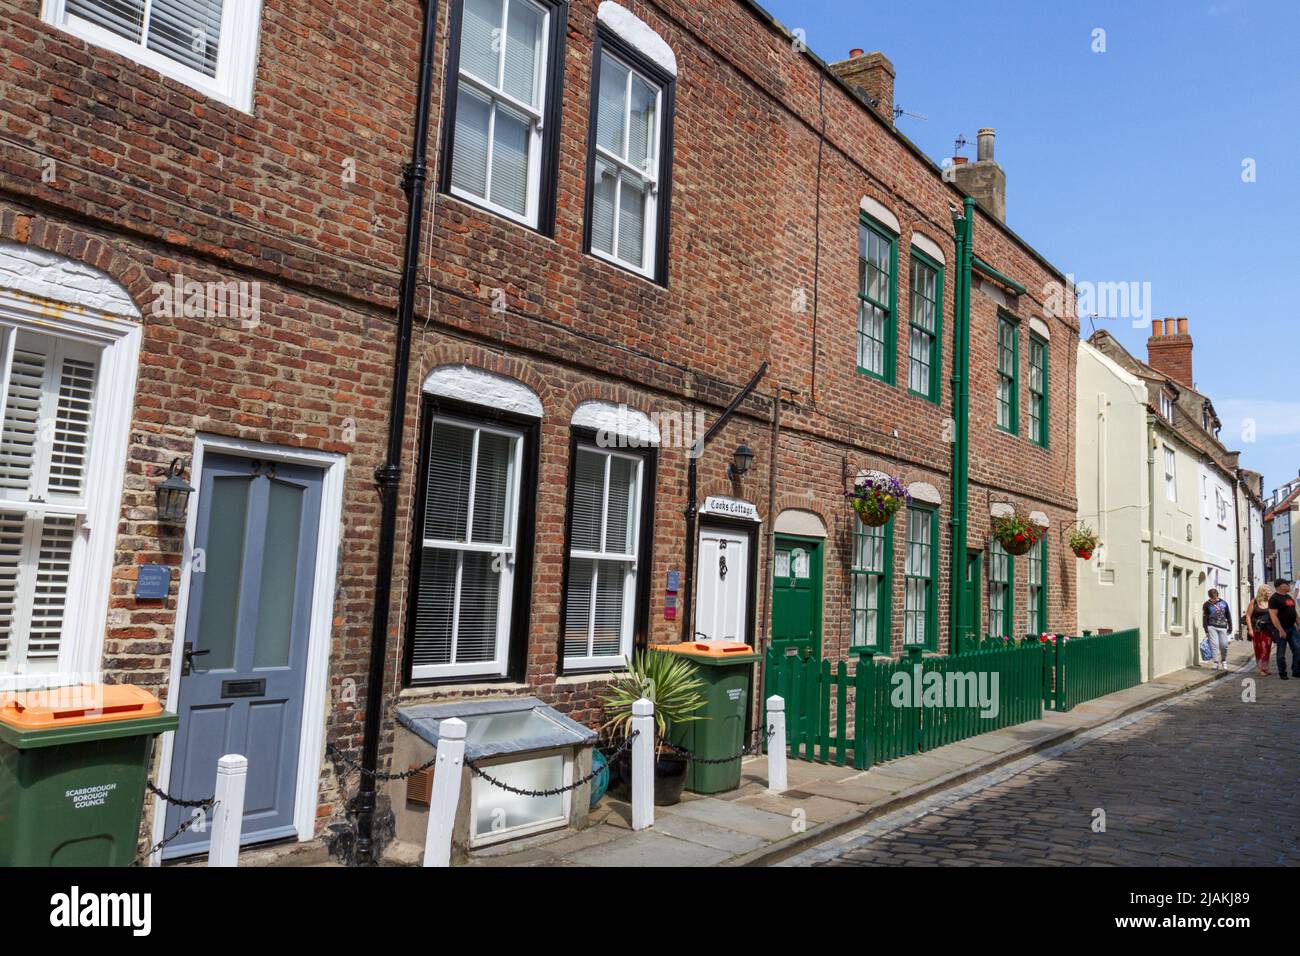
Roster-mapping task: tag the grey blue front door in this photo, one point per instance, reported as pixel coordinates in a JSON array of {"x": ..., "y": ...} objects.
[{"x": 245, "y": 642}]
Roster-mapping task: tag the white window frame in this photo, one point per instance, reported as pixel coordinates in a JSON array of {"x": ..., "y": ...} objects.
[
  {"x": 1166, "y": 406},
  {"x": 236, "y": 54},
  {"x": 509, "y": 554},
  {"x": 649, "y": 176},
  {"x": 1171, "y": 474},
  {"x": 497, "y": 98},
  {"x": 1164, "y": 598},
  {"x": 1176, "y": 600},
  {"x": 85, "y": 615},
  {"x": 631, "y": 569}
]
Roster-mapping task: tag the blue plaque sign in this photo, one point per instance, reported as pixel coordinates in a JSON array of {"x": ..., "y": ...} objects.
[
  {"x": 674, "y": 581},
  {"x": 153, "y": 582}
]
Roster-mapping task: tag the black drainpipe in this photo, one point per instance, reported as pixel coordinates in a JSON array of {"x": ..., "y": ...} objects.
[{"x": 389, "y": 475}]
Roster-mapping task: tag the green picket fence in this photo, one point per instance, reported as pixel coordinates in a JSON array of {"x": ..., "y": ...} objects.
[
  {"x": 1084, "y": 668},
  {"x": 868, "y": 714}
]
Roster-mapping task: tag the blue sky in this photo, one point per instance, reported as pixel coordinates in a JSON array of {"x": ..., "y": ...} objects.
[{"x": 1127, "y": 165}]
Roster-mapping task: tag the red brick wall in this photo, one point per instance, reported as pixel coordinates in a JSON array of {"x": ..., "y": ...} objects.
[{"x": 155, "y": 179}]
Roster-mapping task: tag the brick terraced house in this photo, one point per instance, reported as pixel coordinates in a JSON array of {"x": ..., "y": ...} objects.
[{"x": 633, "y": 209}]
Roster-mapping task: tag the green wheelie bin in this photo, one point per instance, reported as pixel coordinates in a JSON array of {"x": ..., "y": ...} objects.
[
  {"x": 727, "y": 669},
  {"x": 73, "y": 766}
]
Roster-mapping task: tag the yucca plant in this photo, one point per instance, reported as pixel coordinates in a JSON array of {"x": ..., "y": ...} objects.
[{"x": 670, "y": 681}]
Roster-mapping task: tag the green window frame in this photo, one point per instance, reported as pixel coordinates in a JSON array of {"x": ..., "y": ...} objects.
[
  {"x": 921, "y": 595},
  {"x": 1038, "y": 589},
  {"x": 877, "y": 300},
  {"x": 925, "y": 329},
  {"x": 1002, "y": 592},
  {"x": 1008, "y": 374},
  {"x": 872, "y": 576},
  {"x": 1038, "y": 391}
]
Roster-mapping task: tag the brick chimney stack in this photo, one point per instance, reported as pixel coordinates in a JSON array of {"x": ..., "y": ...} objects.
[
  {"x": 871, "y": 76},
  {"x": 984, "y": 179},
  {"x": 1169, "y": 350}
]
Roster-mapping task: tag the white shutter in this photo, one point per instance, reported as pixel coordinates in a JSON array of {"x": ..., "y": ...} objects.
[
  {"x": 122, "y": 17},
  {"x": 50, "y": 590},
  {"x": 12, "y": 527},
  {"x": 22, "y": 414},
  {"x": 71, "y": 451},
  {"x": 187, "y": 31}
]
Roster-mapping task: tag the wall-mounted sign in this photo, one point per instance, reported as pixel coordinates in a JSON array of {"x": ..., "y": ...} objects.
[
  {"x": 153, "y": 582},
  {"x": 730, "y": 508},
  {"x": 674, "y": 581}
]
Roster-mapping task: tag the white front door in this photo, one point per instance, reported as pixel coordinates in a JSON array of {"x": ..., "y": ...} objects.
[{"x": 723, "y": 594}]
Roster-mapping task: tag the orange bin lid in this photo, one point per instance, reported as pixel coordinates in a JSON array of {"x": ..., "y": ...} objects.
[
  {"x": 717, "y": 649},
  {"x": 76, "y": 706}
]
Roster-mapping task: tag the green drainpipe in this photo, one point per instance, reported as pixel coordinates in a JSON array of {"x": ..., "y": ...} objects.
[{"x": 964, "y": 235}]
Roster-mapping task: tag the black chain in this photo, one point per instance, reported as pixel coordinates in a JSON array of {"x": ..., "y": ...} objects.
[
  {"x": 761, "y": 737},
  {"x": 609, "y": 762},
  {"x": 351, "y": 764},
  {"x": 192, "y": 804},
  {"x": 207, "y": 806}
]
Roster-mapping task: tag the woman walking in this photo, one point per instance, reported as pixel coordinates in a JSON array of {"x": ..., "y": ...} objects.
[
  {"x": 1260, "y": 627},
  {"x": 1217, "y": 620}
]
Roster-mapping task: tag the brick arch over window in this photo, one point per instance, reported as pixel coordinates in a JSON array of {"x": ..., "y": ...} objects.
[
  {"x": 474, "y": 356},
  {"x": 87, "y": 252}
]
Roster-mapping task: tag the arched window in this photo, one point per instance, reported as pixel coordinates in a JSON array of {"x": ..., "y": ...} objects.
[
  {"x": 474, "y": 514},
  {"x": 611, "y": 491},
  {"x": 69, "y": 341}
]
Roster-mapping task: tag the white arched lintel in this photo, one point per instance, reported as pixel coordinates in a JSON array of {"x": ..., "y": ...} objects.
[
  {"x": 925, "y": 493},
  {"x": 929, "y": 247},
  {"x": 481, "y": 387},
  {"x": 55, "y": 278},
  {"x": 608, "y": 419},
  {"x": 800, "y": 522},
  {"x": 879, "y": 212},
  {"x": 1039, "y": 328},
  {"x": 638, "y": 34}
]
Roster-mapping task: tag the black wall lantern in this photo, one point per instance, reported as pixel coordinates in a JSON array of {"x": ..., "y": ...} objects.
[
  {"x": 173, "y": 494},
  {"x": 741, "y": 461}
]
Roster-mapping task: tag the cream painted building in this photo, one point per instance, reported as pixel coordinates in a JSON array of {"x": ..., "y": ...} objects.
[{"x": 1140, "y": 488}]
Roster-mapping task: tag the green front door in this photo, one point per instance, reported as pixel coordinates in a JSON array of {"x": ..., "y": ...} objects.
[
  {"x": 968, "y": 627},
  {"x": 797, "y": 596}
]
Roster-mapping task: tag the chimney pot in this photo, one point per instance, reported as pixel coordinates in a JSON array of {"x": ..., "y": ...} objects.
[
  {"x": 986, "y": 138},
  {"x": 1182, "y": 326},
  {"x": 1158, "y": 328},
  {"x": 1169, "y": 350},
  {"x": 855, "y": 53}
]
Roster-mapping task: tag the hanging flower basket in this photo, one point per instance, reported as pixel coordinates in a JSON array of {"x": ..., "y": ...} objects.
[
  {"x": 877, "y": 497},
  {"x": 1017, "y": 534},
  {"x": 1084, "y": 541}
]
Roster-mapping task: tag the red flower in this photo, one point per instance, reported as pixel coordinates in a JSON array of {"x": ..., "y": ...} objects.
[{"x": 1020, "y": 538}]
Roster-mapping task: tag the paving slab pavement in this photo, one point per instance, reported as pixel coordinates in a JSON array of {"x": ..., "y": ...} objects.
[{"x": 754, "y": 827}]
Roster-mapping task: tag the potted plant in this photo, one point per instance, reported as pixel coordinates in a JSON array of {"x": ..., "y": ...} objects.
[
  {"x": 1084, "y": 541},
  {"x": 877, "y": 497},
  {"x": 1017, "y": 533},
  {"x": 673, "y": 684}
]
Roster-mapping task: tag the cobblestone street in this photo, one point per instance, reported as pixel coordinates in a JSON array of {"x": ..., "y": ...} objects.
[{"x": 1210, "y": 780}]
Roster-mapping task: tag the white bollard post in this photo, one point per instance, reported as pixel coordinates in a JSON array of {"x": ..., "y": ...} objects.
[
  {"x": 777, "y": 780},
  {"x": 228, "y": 812},
  {"x": 446, "y": 792},
  {"x": 643, "y": 765}
]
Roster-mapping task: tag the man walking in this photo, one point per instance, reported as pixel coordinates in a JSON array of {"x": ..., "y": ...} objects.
[
  {"x": 1281, "y": 610},
  {"x": 1217, "y": 621}
]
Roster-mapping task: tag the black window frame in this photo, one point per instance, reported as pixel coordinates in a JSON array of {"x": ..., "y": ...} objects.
[
  {"x": 552, "y": 110},
  {"x": 521, "y": 607},
  {"x": 606, "y": 40},
  {"x": 645, "y": 547}
]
